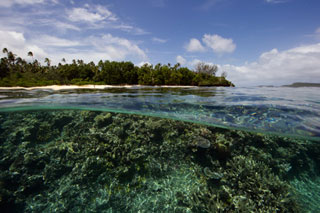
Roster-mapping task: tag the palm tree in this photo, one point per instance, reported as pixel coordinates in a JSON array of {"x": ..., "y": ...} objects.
[
  {"x": 5, "y": 50},
  {"x": 36, "y": 63},
  {"x": 80, "y": 62},
  {"x": 11, "y": 57},
  {"x": 47, "y": 60},
  {"x": 30, "y": 54},
  {"x": 21, "y": 64},
  {"x": 63, "y": 60},
  {"x": 176, "y": 66}
]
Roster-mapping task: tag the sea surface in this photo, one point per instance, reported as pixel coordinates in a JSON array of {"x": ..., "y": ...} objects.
[{"x": 157, "y": 149}]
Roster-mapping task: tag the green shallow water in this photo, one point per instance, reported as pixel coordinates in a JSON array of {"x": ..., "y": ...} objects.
[
  {"x": 67, "y": 160},
  {"x": 301, "y": 134},
  {"x": 291, "y": 112}
]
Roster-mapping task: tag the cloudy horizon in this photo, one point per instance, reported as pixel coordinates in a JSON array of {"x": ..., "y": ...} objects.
[{"x": 266, "y": 42}]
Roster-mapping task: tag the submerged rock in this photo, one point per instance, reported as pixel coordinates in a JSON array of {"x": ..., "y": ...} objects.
[{"x": 202, "y": 142}]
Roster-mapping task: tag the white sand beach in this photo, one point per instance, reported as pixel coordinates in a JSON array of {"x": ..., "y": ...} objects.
[{"x": 70, "y": 87}]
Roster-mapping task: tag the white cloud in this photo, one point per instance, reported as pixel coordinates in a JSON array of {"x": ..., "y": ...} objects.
[
  {"x": 120, "y": 47},
  {"x": 143, "y": 63},
  {"x": 181, "y": 60},
  {"x": 51, "y": 41},
  {"x": 106, "y": 13},
  {"x": 11, "y": 38},
  {"x": 16, "y": 42},
  {"x": 194, "y": 45},
  {"x": 139, "y": 31},
  {"x": 279, "y": 67},
  {"x": 97, "y": 17},
  {"x": 82, "y": 14},
  {"x": 79, "y": 19},
  {"x": 194, "y": 62},
  {"x": 159, "y": 40},
  {"x": 219, "y": 44},
  {"x": 129, "y": 28},
  {"x": 91, "y": 48},
  {"x": 62, "y": 26},
  {"x": 191, "y": 64},
  {"x": 93, "y": 15},
  {"x": 215, "y": 42},
  {"x": 9, "y": 3}
]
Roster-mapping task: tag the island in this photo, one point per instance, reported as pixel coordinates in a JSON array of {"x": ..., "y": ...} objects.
[
  {"x": 16, "y": 71},
  {"x": 303, "y": 84}
]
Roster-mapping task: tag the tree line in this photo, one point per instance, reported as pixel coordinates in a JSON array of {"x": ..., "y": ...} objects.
[{"x": 16, "y": 71}]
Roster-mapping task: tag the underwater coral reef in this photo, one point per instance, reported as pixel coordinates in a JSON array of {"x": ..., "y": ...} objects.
[{"x": 90, "y": 161}]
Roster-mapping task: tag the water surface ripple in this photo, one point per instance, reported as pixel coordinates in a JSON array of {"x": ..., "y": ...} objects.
[{"x": 279, "y": 110}]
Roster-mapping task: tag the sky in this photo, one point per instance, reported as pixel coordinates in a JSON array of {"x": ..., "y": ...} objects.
[{"x": 256, "y": 42}]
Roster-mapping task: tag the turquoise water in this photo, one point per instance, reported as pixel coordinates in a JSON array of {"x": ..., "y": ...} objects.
[
  {"x": 160, "y": 150},
  {"x": 278, "y": 110}
]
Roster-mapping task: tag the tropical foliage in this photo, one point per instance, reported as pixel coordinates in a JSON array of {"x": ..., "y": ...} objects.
[{"x": 15, "y": 71}]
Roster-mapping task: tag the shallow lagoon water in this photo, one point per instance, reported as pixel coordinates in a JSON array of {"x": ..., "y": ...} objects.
[
  {"x": 278, "y": 110},
  {"x": 160, "y": 150}
]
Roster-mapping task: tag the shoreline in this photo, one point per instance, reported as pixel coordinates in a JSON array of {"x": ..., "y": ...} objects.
[{"x": 91, "y": 86}]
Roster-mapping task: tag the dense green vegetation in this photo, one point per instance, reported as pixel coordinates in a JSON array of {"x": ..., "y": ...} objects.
[{"x": 15, "y": 71}]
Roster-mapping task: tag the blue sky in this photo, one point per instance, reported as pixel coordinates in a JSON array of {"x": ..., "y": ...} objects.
[{"x": 255, "y": 41}]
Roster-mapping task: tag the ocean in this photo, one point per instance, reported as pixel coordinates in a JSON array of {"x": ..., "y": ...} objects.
[{"x": 158, "y": 149}]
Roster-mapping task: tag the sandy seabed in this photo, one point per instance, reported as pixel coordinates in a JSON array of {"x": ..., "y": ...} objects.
[{"x": 66, "y": 87}]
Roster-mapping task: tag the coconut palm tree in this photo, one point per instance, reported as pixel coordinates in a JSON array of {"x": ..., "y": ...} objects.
[
  {"x": 30, "y": 54},
  {"x": 5, "y": 50},
  {"x": 48, "y": 61},
  {"x": 11, "y": 57}
]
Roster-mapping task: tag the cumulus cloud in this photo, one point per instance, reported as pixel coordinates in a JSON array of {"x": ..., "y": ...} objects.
[
  {"x": 192, "y": 63},
  {"x": 16, "y": 42},
  {"x": 181, "y": 60},
  {"x": 121, "y": 45},
  {"x": 219, "y": 44},
  {"x": 300, "y": 64},
  {"x": 215, "y": 42},
  {"x": 194, "y": 45},
  {"x": 106, "y": 47}
]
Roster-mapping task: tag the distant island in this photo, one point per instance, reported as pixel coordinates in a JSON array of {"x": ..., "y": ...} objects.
[
  {"x": 15, "y": 71},
  {"x": 303, "y": 84}
]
